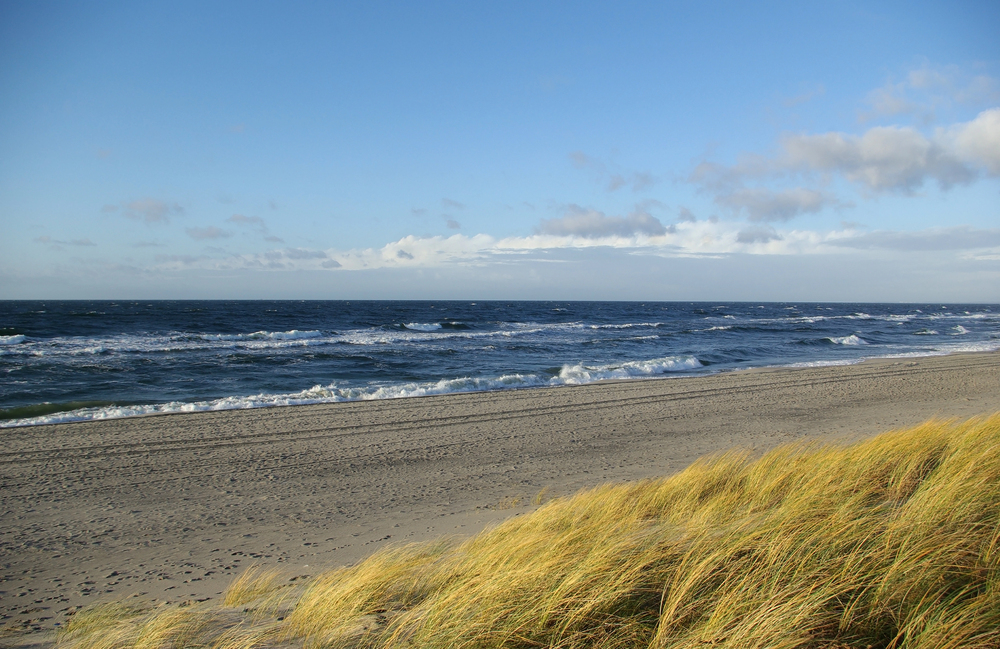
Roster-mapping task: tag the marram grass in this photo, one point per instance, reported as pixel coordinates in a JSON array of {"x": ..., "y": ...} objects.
[{"x": 891, "y": 542}]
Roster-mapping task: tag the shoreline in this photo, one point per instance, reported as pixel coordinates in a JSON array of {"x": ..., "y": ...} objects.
[
  {"x": 680, "y": 374},
  {"x": 172, "y": 508}
]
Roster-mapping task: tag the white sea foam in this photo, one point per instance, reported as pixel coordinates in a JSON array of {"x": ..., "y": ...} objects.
[
  {"x": 12, "y": 340},
  {"x": 847, "y": 340},
  {"x": 294, "y": 334},
  {"x": 959, "y": 330},
  {"x": 627, "y": 325},
  {"x": 824, "y": 363},
  {"x": 925, "y": 332}
]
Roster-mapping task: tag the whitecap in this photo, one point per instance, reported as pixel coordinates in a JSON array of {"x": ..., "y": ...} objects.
[
  {"x": 628, "y": 325},
  {"x": 847, "y": 340},
  {"x": 12, "y": 340},
  {"x": 418, "y": 326}
]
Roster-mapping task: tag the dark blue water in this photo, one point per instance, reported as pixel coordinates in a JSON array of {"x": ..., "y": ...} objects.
[{"x": 73, "y": 360}]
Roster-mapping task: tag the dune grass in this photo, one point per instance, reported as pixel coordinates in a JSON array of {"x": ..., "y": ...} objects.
[{"x": 891, "y": 542}]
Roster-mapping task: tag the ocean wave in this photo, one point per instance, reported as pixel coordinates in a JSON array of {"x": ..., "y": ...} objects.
[
  {"x": 959, "y": 330},
  {"x": 16, "y": 339},
  {"x": 925, "y": 332},
  {"x": 435, "y": 326},
  {"x": 847, "y": 340},
  {"x": 579, "y": 374},
  {"x": 332, "y": 393}
]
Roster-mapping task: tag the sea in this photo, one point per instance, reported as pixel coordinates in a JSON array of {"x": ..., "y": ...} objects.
[{"x": 64, "y": 361}]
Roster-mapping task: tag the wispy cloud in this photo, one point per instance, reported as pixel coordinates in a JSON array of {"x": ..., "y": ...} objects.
[
  {"x": 612, "y": 179},
  {"x": 249, "y": 221},
  {"x": 816, "y": 91},
  {"x": 59, "y": 242},
  {"x": 151, "y": 210},
  {"x": 304, "y": 253},
  {"x": 924, "y": 91},
  {"x": 211, "y": 232},
  {"x": 592, "y": 224},
  {"x": 757, "y": 234},
  {"x": 761, "y": 204},
  {"x": 955, "y": 238}
]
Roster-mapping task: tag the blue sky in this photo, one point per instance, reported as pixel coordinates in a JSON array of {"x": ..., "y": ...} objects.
[{"x": 783, "y": 151}]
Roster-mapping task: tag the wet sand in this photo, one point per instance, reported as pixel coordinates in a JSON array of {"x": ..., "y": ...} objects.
[{"x": 171, "y": 507}]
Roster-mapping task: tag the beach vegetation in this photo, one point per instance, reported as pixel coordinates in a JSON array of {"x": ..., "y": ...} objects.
[{"x": 892, "y": 542}]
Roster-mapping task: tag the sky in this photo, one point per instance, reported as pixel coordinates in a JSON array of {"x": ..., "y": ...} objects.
[{"x": 799, "y": 151}]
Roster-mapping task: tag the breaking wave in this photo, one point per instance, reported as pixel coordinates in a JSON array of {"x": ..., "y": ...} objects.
[{"x": 847, "y": 340}]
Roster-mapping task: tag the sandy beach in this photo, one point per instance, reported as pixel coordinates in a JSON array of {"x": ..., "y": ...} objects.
[{"x": 171, "y": 507}]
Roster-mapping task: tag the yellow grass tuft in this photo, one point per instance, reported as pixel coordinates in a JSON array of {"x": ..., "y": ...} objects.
[
  {"x": 109, "y": 626},
  {"x": 254, "y": 583},
  {"x": 889, "y": 543}
]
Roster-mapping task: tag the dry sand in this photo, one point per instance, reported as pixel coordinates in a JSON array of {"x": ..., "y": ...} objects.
[{"x": 172, "y": 507}]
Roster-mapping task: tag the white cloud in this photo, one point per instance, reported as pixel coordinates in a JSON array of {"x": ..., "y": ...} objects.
[
  {"x": 978, "y": 141},
  {"x": 884, "y": 158}
]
